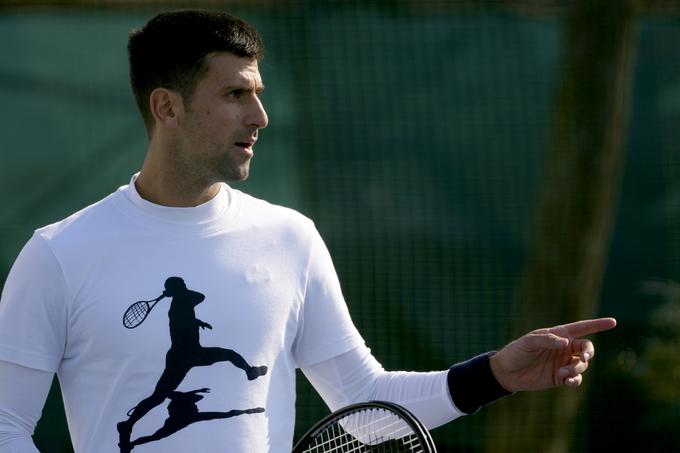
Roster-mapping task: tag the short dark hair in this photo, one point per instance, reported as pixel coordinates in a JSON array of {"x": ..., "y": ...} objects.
[{"x": 170, "y": 51}]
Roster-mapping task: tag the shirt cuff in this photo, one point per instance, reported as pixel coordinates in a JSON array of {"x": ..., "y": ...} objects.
[{"x": 473, "y": 385}]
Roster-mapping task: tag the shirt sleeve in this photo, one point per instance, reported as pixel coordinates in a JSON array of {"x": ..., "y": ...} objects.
[
  {"x": 34, "y": 310},
  {"x": 356, "y": 376},
  {"x": 325, "y": 328},
  {"x": 23, "y": 392}
]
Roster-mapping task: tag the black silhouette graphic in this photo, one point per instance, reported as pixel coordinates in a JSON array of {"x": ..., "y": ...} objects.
[
  {"x": 185, "y": 353},
  {"x": 183, "y": 411}
]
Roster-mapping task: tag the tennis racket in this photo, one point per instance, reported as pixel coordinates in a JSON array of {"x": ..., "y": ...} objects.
[
  {"x": 375, "y": 426},
  {"x": 137, "y": 312}
]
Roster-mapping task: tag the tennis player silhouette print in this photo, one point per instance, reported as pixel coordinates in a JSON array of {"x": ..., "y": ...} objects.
[
  {"x": 182, "y": 411},
  {"x": 184, "y": 354}
]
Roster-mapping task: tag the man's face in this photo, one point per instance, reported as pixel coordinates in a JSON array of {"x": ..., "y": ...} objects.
[{"x": 220, "y": 124}]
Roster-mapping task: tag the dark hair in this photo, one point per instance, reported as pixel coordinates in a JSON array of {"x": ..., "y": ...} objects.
[{"x": 170, "y": 50}]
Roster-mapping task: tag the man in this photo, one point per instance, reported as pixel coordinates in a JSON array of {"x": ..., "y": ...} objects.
[{"x": 263, "y": 291}]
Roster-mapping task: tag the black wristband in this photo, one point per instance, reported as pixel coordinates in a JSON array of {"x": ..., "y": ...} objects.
[{"x": 473, "y": 385}]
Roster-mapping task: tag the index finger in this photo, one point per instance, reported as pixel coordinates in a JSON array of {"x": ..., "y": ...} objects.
[{"x": 586, "y": 327}]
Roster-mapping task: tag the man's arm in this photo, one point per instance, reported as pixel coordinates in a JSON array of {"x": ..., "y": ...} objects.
[
  {"x": 541, "y": 359},
  {"x": 33, "y": 325},
  {"x": 356, "y": 376},
  {"x": 23, "y": 392}
]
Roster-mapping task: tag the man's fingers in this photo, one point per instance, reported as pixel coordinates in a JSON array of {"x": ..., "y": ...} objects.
[
  {"x": 574, "y": 381},
  {"x": 575, "y": 367},
  {"x": 585, "y": 327},
  {"x": 534, "y": 341},
  {"x": 583, "y": 348}
]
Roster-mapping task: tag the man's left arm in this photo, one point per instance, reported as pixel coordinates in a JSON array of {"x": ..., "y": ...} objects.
[{"x": 541, "y": 359}]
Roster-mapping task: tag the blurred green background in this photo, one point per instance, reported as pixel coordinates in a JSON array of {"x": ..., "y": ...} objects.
[{"x": 477, "y": 169}]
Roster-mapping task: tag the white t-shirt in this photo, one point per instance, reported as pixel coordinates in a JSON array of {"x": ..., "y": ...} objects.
[{"x": 248, "y": 285}]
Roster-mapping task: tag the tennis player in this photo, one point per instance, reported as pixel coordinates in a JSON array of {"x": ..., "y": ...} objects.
[{"x": 251, "y": 290}]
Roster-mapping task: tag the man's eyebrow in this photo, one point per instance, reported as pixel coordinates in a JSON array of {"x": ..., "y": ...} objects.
[{"x": 246, "y": 87}]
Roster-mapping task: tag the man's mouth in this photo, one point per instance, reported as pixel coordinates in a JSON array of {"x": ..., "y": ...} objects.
[
  {"x": 245, "y": 144},
  {"x": 246, "y": 148}
]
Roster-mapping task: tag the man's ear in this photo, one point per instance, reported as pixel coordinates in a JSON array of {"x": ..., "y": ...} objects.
[{"x": 166, "y": 105}]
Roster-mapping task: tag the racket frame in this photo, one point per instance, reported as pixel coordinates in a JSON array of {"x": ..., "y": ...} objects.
[{"x": 149, "y": 303}]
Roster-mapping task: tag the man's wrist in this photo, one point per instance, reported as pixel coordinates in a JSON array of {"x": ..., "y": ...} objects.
[{"x": 472, "y": 384}]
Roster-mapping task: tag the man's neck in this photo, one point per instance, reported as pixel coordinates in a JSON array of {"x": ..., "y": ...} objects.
[
  {"x": 164, "y": 184},
  {"x": 154, "y": 190}
]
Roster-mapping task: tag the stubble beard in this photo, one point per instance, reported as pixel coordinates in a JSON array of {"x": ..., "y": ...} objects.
[{"x": 231, "y": 169}]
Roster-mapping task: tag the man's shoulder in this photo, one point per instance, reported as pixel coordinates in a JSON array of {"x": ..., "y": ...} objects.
[
  {"x": 263, "y": 211},
  {"x": 89, "y": 218}
]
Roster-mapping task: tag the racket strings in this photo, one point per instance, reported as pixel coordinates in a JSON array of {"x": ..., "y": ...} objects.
[
  {"x": 345, "y": 443},
  {"x": 353, "y": 434},
  {"x": 377, "y": 425},
  {"x": 135, "y": 314}
]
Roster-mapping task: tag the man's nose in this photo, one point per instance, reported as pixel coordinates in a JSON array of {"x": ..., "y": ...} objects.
[{"x": 258, "y": 116}]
